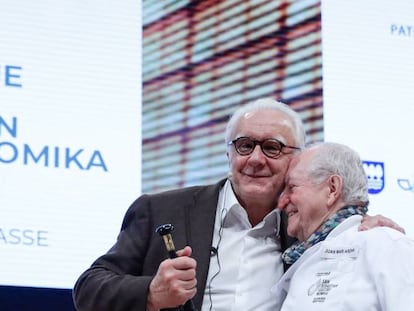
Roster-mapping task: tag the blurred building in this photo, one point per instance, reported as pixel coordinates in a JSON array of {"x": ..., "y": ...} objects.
[{"x": 202, "y": 59}]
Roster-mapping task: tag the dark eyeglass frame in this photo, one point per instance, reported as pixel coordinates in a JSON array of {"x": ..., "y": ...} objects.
[{"x": 255, "y": 142}]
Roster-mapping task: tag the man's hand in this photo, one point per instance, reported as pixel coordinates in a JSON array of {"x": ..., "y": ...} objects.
[
  {"x": 174, "y": 283},
  {"x": 369, "y": 222}
]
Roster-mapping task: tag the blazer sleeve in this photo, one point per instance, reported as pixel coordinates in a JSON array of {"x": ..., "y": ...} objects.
[{"x": 119, "y": 280}]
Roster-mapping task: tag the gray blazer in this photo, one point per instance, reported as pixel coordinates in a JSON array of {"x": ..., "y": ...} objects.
[{"x": 119, "y": 280}]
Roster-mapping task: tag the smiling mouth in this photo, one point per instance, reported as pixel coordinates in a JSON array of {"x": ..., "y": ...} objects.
[{"x": 256, "y": 176}]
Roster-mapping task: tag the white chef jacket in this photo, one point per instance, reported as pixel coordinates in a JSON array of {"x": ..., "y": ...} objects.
[{"x": 351, "y": 270}]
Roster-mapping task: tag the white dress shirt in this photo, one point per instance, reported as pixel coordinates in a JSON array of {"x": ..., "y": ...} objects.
[{"x": 248, "y": 260}]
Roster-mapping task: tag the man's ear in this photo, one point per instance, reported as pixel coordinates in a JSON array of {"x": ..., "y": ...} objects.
[
  {"x": 335, "y": 189},
  {"x": 228, "y": 159}
]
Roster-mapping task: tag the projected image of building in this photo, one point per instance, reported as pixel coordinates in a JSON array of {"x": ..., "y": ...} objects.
[{"x": 202, "y": 59}]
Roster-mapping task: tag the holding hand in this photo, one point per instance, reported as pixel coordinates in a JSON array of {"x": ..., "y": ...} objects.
[{"x": 175, "y": 282}]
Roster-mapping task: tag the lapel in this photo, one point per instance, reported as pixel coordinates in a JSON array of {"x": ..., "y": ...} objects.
[{"x": 200, "y": 218}]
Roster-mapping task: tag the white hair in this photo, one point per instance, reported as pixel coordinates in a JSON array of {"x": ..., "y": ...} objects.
[
  {"x": 267, "y": 103},
  {"x": 338, "y": 159}
]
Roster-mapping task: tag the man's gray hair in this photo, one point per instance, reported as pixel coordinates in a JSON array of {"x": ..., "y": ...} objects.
[
  {"x": 338, "y": 159},
  {"x": 267, "y": 103}
]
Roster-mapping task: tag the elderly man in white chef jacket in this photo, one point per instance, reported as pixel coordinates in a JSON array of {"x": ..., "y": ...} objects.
[{"x": 335, "y": 266}]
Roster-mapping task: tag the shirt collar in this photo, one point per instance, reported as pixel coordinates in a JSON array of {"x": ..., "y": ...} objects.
[{"x": 231, "y": 206}]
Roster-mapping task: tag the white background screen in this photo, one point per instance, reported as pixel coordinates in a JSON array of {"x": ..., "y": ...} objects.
[
  {"x": 368, "y": 68},
  {"x": 70, "y": 122},
  {"x": 69, "y": 134}
]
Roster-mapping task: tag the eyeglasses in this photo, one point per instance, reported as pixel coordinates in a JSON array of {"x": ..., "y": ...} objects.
[{"x": 271, "y": 147}]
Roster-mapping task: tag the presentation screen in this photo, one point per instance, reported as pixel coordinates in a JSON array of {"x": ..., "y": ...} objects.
[
  {"x": 368, "y": 80},
  {"x": 69, "y": 134},
  {"x": 79, "y": 142}
]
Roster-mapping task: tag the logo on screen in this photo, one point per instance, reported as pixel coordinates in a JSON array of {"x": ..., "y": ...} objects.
[
  {"x": 406, "y": 184},
  {"x": 376, "y": 176}
]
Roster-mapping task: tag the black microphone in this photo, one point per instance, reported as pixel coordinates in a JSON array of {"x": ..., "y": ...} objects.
[{"x": 165, "y": 231}]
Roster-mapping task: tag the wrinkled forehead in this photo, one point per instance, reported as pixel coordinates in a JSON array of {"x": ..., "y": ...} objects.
[
  {"x": 292, "y": 168},
  {"x": 299, "y": 165}
]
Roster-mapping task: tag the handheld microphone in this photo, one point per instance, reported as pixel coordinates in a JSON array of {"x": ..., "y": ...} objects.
[{"x": 165, "y": 231}]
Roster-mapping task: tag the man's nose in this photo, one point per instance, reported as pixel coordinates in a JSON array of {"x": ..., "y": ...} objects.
[{"x": 257, "y": 153}]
